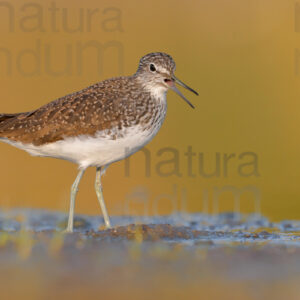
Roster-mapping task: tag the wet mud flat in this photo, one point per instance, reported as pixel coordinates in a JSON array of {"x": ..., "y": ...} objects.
[{"x": 228, "y": 256}]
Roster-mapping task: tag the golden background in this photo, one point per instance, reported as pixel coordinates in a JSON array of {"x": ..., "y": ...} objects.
[{"x": 242, "y": 58}]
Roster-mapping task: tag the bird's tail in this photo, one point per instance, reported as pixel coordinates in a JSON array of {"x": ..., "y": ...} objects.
[
  {"x": 5, "y": 117},
  {"x": 5, "y": 120}
]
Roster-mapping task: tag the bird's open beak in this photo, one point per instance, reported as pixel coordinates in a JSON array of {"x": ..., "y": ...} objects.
[{"x": 173, "y": 87}]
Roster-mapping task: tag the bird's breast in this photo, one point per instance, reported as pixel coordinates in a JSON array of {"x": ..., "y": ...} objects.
[{"x": 153, "y": 115}]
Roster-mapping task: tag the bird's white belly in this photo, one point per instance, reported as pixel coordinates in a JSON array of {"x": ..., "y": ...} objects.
[{"x": 99, "y": 150}]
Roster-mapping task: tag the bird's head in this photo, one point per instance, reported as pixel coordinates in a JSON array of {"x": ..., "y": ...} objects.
[{"x": 156, "y": 73}]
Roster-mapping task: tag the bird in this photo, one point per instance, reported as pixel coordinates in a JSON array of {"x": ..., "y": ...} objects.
[{"x": 98, "y": 125}]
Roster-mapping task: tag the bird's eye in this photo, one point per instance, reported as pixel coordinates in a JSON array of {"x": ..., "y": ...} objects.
[{"x": 152, "y": 68}]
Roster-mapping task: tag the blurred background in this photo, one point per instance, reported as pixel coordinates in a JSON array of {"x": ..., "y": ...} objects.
[{"x": 238, "y": 150}]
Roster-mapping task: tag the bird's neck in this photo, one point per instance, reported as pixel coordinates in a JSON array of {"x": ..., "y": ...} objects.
[{"x": 157, "y": 92}]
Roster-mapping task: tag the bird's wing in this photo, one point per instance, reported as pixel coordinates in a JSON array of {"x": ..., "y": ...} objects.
[{"x": 86, "y": 112}]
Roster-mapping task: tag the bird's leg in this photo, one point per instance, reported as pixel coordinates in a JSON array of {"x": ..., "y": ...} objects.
[
  {"x": 74, "y": 191},
  {"x": 98, "y": 188}
]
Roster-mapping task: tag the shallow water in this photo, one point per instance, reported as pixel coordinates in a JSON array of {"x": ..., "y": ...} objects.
[{"x": 228, "y": 256}]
